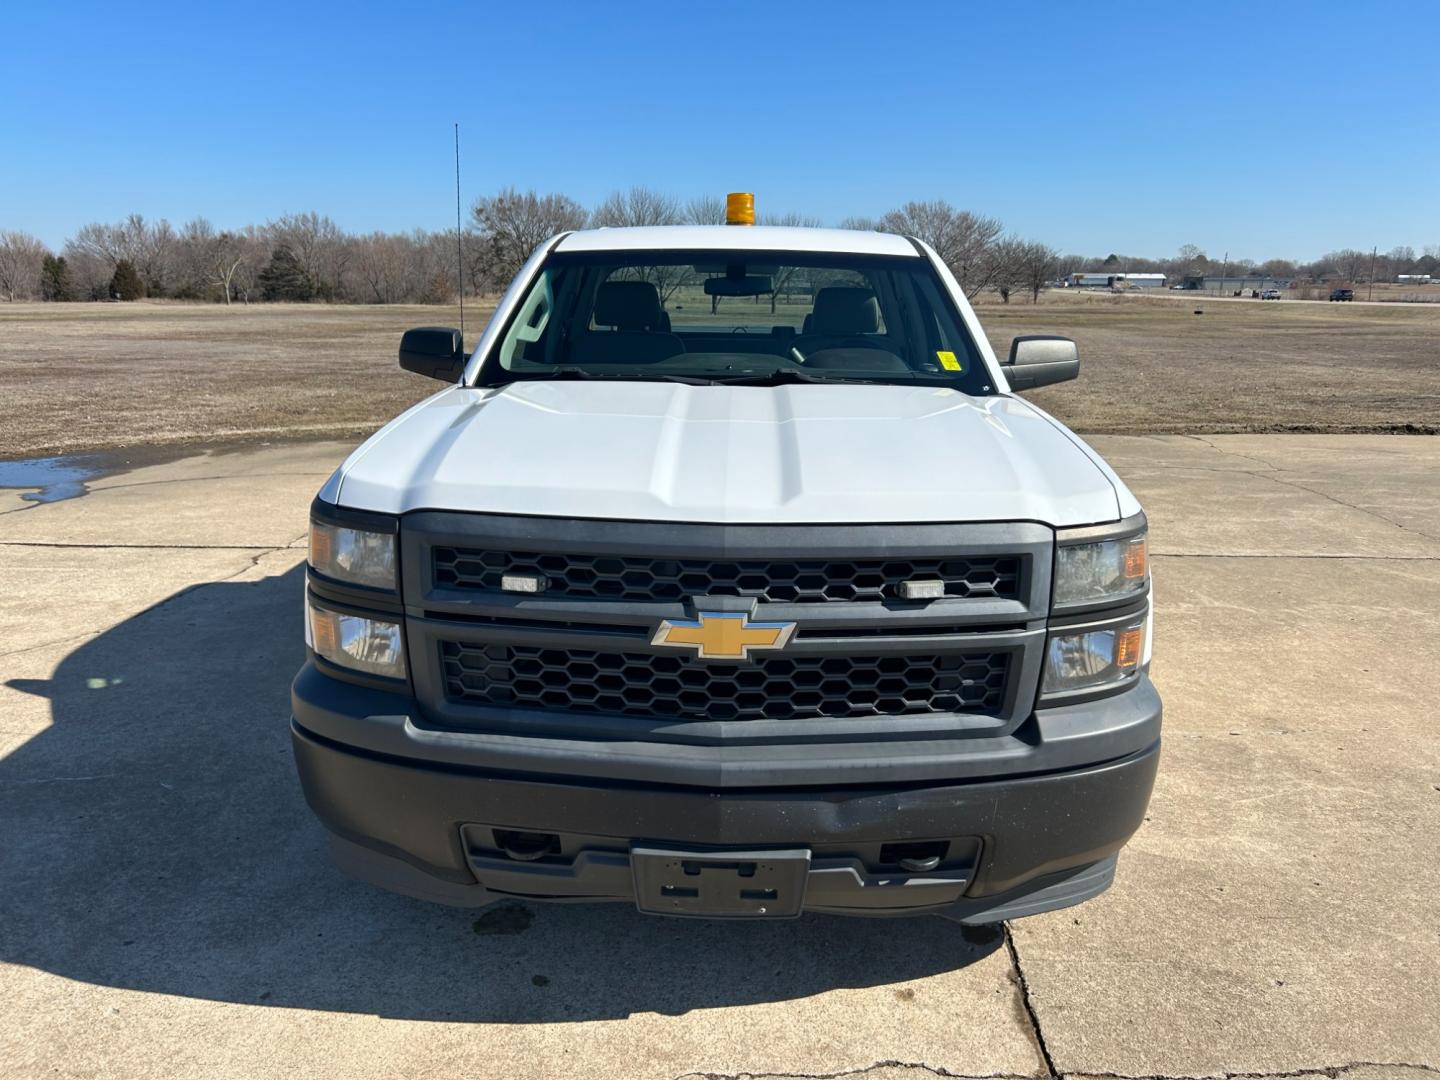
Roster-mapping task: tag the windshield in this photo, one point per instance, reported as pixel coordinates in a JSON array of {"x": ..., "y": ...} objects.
[{"x": 737, "y": 316}]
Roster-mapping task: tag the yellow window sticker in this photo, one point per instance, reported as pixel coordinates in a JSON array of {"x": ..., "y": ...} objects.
[{"x": 948, "y": 361}]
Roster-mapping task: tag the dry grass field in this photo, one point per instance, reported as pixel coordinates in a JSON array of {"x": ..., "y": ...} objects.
[
  {"x": 90, "y": 376},
  {"x": 1150, "y": 365}
]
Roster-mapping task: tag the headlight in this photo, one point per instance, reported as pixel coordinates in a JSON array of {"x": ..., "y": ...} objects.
[
  {"x": 1091, "y": 659},
  {"x": 1102, "y": 572},
  {"x": 358, "y": 642},
  {"x": 356, "y": 556}
]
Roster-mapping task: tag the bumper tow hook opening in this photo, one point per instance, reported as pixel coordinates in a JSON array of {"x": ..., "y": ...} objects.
[
  {"x": 920, "y": 866},
  {"x": 526, "y": 846},
  {"x": 915, "y": 858}
]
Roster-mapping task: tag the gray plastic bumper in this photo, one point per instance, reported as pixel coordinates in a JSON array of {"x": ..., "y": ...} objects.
[{"x": 1012, "y": 845}]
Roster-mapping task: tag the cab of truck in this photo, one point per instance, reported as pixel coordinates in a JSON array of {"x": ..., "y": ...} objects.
[{"x": 728, "y": 576}]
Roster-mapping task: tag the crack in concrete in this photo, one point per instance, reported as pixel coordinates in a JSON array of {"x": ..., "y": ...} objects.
[
  {"x": 1283, "y": 555},
  {"x": 1233, "y": 453},
  {"x": 1333, "y": 1072},
  {"x": 197, "y": 479},
  {"x": 916, "y": 1066},
  {"x": 259, "y": 554},
  {"x": 48, "y": 644},
  {"x": 1027, "y": 1005},
  {"x": 1330, "y": 1072},
  {"x": 1270, "y": 472},
  {"x": 145, "y": 547},
  {"x": 59, "y": 780}
]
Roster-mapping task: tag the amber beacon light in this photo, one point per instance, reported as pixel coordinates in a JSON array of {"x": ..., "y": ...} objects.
[{"x": 740, "y": 208}]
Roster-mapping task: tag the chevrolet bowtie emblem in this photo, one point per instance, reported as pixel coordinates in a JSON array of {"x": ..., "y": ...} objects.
[{"x": 722, "y": 635}]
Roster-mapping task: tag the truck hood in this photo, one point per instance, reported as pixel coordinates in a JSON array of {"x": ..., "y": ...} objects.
[{"x": 801, "y": 454}]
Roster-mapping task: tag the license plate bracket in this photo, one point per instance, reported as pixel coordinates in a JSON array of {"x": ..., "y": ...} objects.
[{"x": 764, "y": 884}]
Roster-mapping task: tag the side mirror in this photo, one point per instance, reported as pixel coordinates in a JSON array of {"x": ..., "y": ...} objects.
[
  {"x": 1039, "y": 360},
  {"x": 437, "y": 352}
]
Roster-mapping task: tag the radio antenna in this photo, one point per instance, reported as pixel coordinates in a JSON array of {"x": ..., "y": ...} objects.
[{"x": 459, "y": 241}]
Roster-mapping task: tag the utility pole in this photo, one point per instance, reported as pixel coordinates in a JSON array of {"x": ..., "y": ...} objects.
[
  {"x": 1224, "y": 265},
  {"x": 1371, "y": 295}
]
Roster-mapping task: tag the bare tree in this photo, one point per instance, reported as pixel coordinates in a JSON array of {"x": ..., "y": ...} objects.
[
  {"x": 1277, "y": 268},
  {"x": 860, "y": 224},
  {"x": 229, "y": 252},
  {"x": 1190, "y": 261},
  {"x": 786, "y": 276},
  {"x": 156, "y": 248},
  {"x": 1401, "y": 258},
  {"x": 1348, "y": 263},
  {"x": 323, "y": 250},
  {"x": 1070, "y": 264},
  {"x": 1005, "y": 266},
  {"x": 638, "y": 206},
  {"x": 512, "y": 224},
  {"x": 151, "y": 248},
  {"x": 108, "y": 243},
  {"x": 383, "y": 262},
  {"x": 705, "y": 210},
  {"x": 21, "y": 257},
  {"x": 1037, "y": 264},
  {"x": 962, "y": 240}
]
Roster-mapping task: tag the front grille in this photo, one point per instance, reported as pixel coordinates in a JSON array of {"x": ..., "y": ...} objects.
[
  {"x": 775, "y": 688},
  {"x": 628, "y": 577}
]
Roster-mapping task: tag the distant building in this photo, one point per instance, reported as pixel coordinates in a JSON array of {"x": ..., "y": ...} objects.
[
  {"x": 1415, "y": 279},
  {"x": 1114, "y": 281}
]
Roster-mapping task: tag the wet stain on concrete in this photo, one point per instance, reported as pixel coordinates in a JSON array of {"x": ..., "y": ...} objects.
[
  {"x": 56, "y": 478},
  {"x": 509, "y": 919}
]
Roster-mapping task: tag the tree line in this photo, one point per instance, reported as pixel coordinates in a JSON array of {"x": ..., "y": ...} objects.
[{"x": 308, "y": 257}]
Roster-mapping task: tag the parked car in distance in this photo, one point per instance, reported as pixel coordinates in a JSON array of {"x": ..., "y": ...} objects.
[
  {"x": 1342, "y": 294},
  {"x": 1270, "y": 294}
]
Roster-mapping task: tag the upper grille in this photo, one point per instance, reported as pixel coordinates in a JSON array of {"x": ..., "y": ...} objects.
[
  {"x": 774, "y": 688},
  {"x": 629, "y": 577}
]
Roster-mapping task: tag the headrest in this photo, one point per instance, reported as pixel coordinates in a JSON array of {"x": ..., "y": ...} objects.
[
  {"x": 628, "y": 305},
  {"x": 845, "y": 310}
]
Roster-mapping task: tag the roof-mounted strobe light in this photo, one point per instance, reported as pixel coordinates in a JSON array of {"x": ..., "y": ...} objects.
[{"x": 740, "y": 208}]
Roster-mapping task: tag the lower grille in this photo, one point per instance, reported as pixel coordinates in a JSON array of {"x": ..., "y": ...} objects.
[{"x": 777, "y": 688}]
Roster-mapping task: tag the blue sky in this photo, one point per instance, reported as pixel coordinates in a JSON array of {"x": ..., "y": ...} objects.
[{"x": 1259, "y": 129}]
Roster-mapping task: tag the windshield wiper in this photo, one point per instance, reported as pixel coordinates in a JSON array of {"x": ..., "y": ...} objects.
[
  {"x": 780, "y": 376},
  {"x": 568, "y": 371}
]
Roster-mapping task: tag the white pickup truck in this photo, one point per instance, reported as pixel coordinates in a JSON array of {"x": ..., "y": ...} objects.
[{"x": 728, "y": 577}]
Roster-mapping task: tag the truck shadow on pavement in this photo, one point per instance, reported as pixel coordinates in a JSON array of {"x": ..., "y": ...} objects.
[{"x": 154, "y": 838}]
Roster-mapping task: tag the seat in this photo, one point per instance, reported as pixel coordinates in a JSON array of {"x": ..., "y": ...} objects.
[
  {"x": 844, "y": 311},
  {"x": 843, "y": 332},
  {"x": 638, "y": 327}
]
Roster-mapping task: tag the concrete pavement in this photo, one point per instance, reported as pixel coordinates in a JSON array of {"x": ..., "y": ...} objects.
[{"x": 166, "y": 903}]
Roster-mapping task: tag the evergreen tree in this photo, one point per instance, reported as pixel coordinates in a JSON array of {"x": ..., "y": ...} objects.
[
  {"x": 126, "y": 283},
  {"x": 284, "y": 278},
  {"x": 55, "y": 279}
]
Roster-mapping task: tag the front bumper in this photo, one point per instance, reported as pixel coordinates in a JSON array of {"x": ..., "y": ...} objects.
[{"x": 417, "y": 813}]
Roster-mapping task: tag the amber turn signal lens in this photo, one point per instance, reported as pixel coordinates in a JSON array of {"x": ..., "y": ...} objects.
[
  {"x": 1128, "y": 646},
  {"x": 322, "y": 549},
  {"x": 1136, "y": 560},
  {"x": 325, "y": 633},
  {"x": 740, "y": 208}
]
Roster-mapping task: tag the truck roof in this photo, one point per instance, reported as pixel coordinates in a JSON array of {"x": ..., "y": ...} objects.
[{"x": 737, "y": 238}]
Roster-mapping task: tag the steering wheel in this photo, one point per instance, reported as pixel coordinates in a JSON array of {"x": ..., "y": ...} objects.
[{"x": 740, "y": 330}]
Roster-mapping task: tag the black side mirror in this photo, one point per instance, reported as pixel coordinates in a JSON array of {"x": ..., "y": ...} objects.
[
  {"x": 1039, "y": 360},
  {"x": 437, "y": 352}
]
